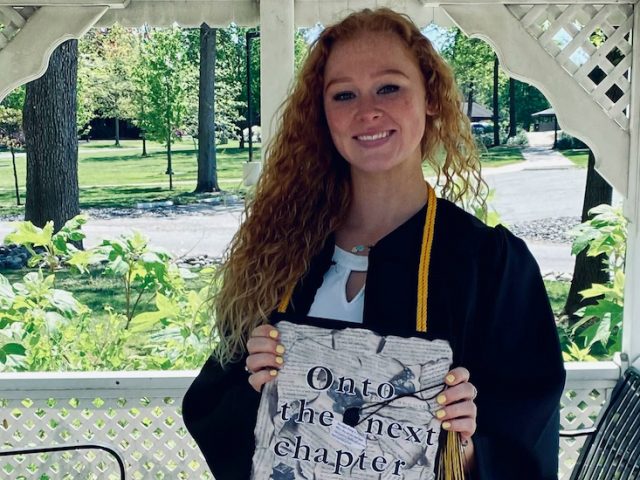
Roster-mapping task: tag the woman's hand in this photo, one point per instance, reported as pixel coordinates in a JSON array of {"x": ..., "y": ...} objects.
[
  {"x": 458, "y": 411},
  {"x": 265, "y": 356},
  {"x": 457, "y": 408}
]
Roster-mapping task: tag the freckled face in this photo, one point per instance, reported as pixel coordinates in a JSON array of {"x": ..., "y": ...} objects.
[{"x": 375, "y": 103}]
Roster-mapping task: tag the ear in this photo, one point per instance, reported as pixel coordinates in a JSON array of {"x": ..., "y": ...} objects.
[{"x": 431, "y": 110}]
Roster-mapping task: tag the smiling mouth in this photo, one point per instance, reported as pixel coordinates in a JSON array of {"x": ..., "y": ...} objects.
[{"x": 374, "y": 137}]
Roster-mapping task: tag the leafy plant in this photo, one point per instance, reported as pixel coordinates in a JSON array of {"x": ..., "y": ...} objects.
[
  {"x": 52, "y": 249},
  {"x": 43, "y": 322},
  {"x": 44, "y": 328},
  {"x": 600, "y": 330},
  {"x": 520, "y": 139},
  {"x": 181, "y": 323},
  {"x": 142, "y": 269},
  {"x": 567, "y": 142},
  {"x": 486, "y": 213}
]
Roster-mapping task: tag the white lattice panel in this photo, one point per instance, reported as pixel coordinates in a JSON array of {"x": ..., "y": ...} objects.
[
  {"x": 592, "y": 43},
  {"x": 12, "y": 20},
  {"x": 579, "y": 409},
  {"x": 147, "y": 431},
  {"x": 138, "y": 413}
]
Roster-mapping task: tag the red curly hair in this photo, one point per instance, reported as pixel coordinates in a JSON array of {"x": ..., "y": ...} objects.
[{"x": 304, "y": 191}]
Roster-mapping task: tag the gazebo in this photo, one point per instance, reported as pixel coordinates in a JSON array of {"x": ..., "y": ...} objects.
[
  {"x": 545, "y": 120},
  {"x": 537, "y": 41}
]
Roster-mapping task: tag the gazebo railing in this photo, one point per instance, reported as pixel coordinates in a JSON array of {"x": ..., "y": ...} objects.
[{"x": 139, "y": 413}]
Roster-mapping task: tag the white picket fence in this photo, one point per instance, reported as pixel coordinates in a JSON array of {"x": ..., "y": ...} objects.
[{"x": 139, "y": 414}]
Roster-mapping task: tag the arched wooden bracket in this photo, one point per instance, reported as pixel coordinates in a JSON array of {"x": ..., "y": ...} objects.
[
  {"x": 35, "y": 38},
  {"x": 582, "y": 107}
]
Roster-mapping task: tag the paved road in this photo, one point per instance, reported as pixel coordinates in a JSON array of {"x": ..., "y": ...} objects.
[{"x": 545, "y": 186}]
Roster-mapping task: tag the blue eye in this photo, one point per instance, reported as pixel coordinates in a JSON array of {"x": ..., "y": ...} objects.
[
  {"x": 388, "y": 89},
  {"x": 342, "y": 96}
]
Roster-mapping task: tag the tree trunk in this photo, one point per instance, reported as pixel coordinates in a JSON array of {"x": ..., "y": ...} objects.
[
  {"x": 207, "y": 174},
  {"x": 470, "y": 102},
  {"x": 117, "y": 128},
  {"x": 50, "y": 129},
  {"x": 144, "y": 145},
  {"x": 496, "y": 105},
  {"x": 589, "y": 270},
  {"x": 15, "y": 175},
  {"x": 169, "y": 166},
  {"x": 512, "y": 108},
  {"x": 241, "y": 139}
]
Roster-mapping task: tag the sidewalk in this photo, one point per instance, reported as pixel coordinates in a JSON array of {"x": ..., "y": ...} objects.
[{"x": 539, "y": 155}]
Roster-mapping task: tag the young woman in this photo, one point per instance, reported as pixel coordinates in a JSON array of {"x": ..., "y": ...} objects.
[{"x": 344, "y": 230}]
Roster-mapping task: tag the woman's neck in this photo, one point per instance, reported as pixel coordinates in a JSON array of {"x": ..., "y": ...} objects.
[{"x": 378, "y": 206}]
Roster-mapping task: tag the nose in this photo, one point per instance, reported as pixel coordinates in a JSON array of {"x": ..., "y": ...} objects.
[{"x": 368, "y": 109}]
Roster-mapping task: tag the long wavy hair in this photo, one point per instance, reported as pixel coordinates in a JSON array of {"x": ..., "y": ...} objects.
[{"x": 304, "y": 191}]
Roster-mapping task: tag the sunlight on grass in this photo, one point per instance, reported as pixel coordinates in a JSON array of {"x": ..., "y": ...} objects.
[
  {"x": 579, "y": 157},
  {"x": 97, "y": 290},
  {"x": 121, "y": 177}
]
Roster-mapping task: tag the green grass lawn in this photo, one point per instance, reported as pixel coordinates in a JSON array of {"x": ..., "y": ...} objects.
[
  {"x": 111, "y": 176},
  {"x": 501, "y": 156},
  {"x": 97, "y": 290},
  {"x": 493, "y": 157},
  {"x": 579, "y": 157},
  {"x": 120, "y": 177}
]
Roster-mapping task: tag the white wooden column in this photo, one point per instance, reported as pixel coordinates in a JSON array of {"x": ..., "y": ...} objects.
[
  {"x": 276, "y": 60},
  {"x": 631, "y": 325}
]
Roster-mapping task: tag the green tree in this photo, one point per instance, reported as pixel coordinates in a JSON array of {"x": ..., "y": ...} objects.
[
  {"x": 472, "y": 62},
  {"x": 170, "y": 83},
  {"x": 528, "y": 100},
  {"x": 140, "y": 93},
  {"x": 12, "y": 137},
  {"x": 15, "y": 99},
  {"x": 231, "y": 74},
  {"x": 88, "y": 61},
  {"x": 112, "y": 51}
]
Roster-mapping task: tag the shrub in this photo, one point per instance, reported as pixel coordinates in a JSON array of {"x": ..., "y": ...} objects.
[
  {"x": 567, "y": 142},
  {"x": 599, "y": 332},
  {"x": 484, "y": 140},
  {"x": 520, "y": 140},
  {"x": 43, "y": 328}
]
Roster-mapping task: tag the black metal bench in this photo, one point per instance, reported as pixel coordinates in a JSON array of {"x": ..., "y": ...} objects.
[
  {"x": 612, "y": 450},
  {"x": 66, "y": 448}
]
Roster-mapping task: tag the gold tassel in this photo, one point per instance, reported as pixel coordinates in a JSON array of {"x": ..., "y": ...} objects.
[{"x": 451, "y": 461}]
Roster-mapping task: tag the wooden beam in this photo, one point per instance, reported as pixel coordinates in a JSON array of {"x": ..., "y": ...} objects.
[
  {"x": 65, "y": 3},
  {"x": 26, "y": 56},
  {"x": 525, "y": 2},
  {"x": 276, "y": 61},
  {"x": 187, "y": 13},
  {"x": 523, "y": 58},
  {"x": 631, "y": 315}
]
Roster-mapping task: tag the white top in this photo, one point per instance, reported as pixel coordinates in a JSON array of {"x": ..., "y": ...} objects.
[{"x": 331, "y": 298}]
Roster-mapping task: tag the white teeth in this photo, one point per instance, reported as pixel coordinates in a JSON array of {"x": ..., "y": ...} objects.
[{"x": 370, "y": 138}]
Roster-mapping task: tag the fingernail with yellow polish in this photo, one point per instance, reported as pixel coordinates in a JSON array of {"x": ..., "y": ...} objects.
[
  {"x": 280, "y": 349},
  {"x": 279, "y": 360},
  {"x": 441, "y": 414},
  {"x": 441, "y": 399},
  {"x": 273, "y": 373},
  {"x": 450, "y": 378},
  {"x": 273, "y": 334},
  {"x": 446, "y": 425}
]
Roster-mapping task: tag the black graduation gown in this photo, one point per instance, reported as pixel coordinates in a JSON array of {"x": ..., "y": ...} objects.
[{"x": 486, "y": 297}]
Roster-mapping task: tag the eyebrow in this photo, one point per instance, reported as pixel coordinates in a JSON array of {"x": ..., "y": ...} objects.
[{"x": 388, "y": 71}]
